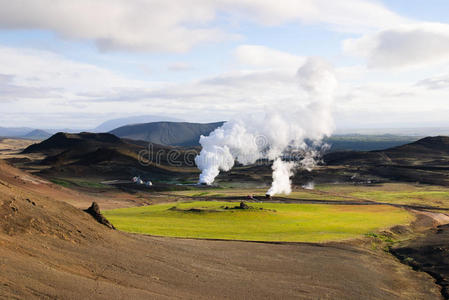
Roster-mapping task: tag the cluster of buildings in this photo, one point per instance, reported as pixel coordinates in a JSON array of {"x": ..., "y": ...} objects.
[{"x": 138, "y": 180}]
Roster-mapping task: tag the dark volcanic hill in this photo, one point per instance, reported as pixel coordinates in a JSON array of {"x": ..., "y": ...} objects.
[
  {"x": 82, "y": 142},
  {"x": 426, "y": 161},
  {"x": 167, "y": 133},
  {"x": 105, "y": 155}
]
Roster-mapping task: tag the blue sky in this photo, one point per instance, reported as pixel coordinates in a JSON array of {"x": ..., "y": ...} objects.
[{"x": 79, "y": 63}]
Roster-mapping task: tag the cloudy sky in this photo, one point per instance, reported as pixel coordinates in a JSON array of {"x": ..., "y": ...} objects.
[{"x": 76, "y": 63}]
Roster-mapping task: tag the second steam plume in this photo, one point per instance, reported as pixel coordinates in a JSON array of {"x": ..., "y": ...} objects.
[{"x": 250, "y": 138}]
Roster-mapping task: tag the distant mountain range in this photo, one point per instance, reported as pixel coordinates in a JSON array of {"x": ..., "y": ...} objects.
[
  {"x": 115, "y": 123},
  {"x": 188, "y": 134},
  {"x": 24, "y": 132},
  {"x": 37, "y": 134},
  {"x": 14, "y": 131},
  {"x": 167, "y": 133}
]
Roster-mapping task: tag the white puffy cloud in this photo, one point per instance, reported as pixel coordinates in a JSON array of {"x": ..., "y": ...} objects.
[
  {"x": 415, "y": 45},
  {"x": 177, "y": 26},
  {"x": 261, "y": 56},
  {"x": 342, "y": 15},
  {"x": 117, "y": 24},
  {"x": 42, "y": 89}
]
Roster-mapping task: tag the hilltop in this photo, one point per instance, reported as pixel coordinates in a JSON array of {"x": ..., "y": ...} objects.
[
  {"x": 115, "y": 123},
  {"x": 37, "y": 134},
  {"x": 167, "y": 133},
  {"x": 103, "y": 155},
  {"x": 82, "y": 142}
]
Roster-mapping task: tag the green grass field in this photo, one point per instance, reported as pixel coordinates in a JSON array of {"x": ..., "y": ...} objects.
[
  {"x": 276, "y": 222},
  {"x": 243, "y": 192},
  {"x": 394, "y": 193}
]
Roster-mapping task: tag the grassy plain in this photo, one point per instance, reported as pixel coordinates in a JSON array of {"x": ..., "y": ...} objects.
[
  {"x": 393, "y": 193},
  {"x": 264, "y": 222}
]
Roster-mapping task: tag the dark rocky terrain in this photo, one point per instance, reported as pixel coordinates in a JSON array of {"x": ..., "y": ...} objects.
[
  {"x": 424, "y": 161},
  {"x": 107, "y": 156},
  {"x": 430, "y": 254}
]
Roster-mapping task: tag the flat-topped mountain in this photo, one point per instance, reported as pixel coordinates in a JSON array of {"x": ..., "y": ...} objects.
[{"x": 167, "y": 133}]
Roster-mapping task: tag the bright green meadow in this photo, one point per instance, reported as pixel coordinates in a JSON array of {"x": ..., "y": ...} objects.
[{"x": 263, "y": 222}]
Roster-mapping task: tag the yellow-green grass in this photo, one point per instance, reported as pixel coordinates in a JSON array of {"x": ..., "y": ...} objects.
[
  {"x": 243, "y": 192},
  {"x": 275, "y": 222},
  {"x": 395, "y": 193}
]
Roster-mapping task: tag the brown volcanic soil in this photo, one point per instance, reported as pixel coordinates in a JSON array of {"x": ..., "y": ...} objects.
[
  {"x": 430, "y": 254},
  {"x": 50, "y": 249}
]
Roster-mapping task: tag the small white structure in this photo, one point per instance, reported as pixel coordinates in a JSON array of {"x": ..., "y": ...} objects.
[{"x": 138, "y": 180}]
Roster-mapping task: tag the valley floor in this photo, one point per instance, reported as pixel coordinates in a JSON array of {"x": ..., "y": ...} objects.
[{"x": 51, "y": 249}]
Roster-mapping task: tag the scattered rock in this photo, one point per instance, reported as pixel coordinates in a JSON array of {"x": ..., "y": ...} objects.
[
  {"x": 31, "y": 202},
  {"x": 94, "y": 211},
  {"x": 243, "y": 205}
]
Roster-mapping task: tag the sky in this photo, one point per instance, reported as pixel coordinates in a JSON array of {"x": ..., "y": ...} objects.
[{"x": 77, "y": 63}]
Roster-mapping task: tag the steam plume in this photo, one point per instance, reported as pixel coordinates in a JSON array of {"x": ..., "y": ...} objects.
[
  {"x": 282, "y": 171},
  {"x": 247, "y": 139}
]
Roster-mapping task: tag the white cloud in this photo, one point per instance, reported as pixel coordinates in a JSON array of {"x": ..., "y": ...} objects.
[
  {"x": 177, "y": 26},
  {"x": 415, "y": 45},
  {"x": 37, "y": 83},
  {"x": 435, "y": 83},
  {"x": 118, "y": 24},
  {"x": 390, "y": 104},
  {"x": 43, "y": 69},
  {"x": 261, "y": 56},
  {"x": 180, "y": 66},
  {"x": 342, "y": 15}
]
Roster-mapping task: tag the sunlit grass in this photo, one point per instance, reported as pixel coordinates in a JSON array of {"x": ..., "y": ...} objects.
[
  {"x": 274, "y": 222},
  {"x": 395, "y": 193}
]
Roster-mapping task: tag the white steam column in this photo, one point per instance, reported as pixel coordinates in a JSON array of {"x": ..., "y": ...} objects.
[{"x": 251, "y": 138}]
